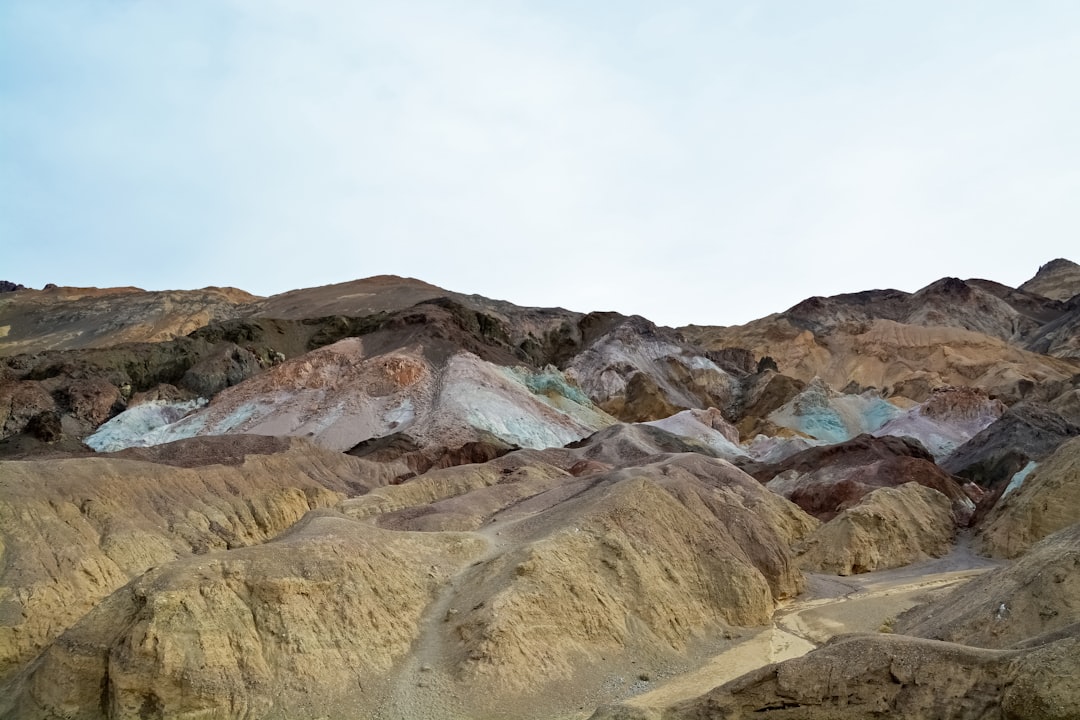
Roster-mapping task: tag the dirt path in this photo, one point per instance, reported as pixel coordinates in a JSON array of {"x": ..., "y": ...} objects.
[
  {"x": 831, "y": 606},
  {"x": 423, "y": 688}
]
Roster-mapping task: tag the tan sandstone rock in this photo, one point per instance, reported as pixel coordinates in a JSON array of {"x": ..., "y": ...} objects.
[
  {"x": 1045, "y": 502},
  {"x": 889, "y": 527}
]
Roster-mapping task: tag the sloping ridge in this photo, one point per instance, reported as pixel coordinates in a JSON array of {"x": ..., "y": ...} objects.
[
  {"x": 1058, "y": 279},
  {"x": 1023, "y": 660}
]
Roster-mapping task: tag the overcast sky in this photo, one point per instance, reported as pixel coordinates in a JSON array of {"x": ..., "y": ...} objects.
[{"x": 706, "y": 162}]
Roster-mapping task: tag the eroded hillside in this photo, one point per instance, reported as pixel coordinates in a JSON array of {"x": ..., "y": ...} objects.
[{"x": 384, "y": 499}]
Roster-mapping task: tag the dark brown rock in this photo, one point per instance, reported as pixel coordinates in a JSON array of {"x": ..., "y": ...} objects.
[
  {"x": 19, "y": 403},
  {"x": 825, "y": 480},
  {"x": 1026, "y": 432},
  {"x": 420, "y": 459},
  {"x": 761, "y": 394}
]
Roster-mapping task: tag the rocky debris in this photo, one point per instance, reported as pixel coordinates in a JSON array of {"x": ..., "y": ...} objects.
[
  {"x": 1058, "y": 279},
  {"x": 8, "y": 286},
  {"x": 75, "y": 530},
  {"x": 889, "y": 527},
  {"x": 224, "y": 367},
  {"x": 823, "y": 481},
  {"x": 946, "y": 420},
  {"x": 161, "y": 393},
  {"x": 831, "y": 417},
  {"x": 1038, "y": 594},
  {"x": 20, "y": 403},
  {"x": 90, "y": 401},
  {"x": 1045, "y": 501},
  {"x": 1026, "y": 432}
]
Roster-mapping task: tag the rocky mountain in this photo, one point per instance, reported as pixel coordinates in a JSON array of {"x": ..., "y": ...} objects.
[
  {"x": 952, "y": 332},
  {"x": 1058, "y": 279},
  {"x": 385, "y": 499}
]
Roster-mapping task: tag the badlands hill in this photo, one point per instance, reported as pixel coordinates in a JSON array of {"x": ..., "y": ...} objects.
[{"x": 384, "y": 499}]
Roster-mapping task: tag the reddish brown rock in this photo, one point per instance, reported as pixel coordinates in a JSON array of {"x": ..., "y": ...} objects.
[
  {"x": 825, "y": 480},
  {"x": 20, "y": 402}
]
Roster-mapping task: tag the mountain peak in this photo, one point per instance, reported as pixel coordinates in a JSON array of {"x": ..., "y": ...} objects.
[{"x": 1058, "y": 279}]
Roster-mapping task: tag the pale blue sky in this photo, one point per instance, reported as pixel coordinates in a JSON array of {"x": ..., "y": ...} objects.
[{"x": 705, "y": 162}]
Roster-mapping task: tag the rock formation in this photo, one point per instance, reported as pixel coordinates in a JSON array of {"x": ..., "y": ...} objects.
[
  {"x": 952, "y": 332},
  {"x": 385, "y": 499},
  {"x": 67, "y": 318},
  {"x": 1037, "y": 595},
  {"x": 826, "y": 480},
  {"x": 75, "y": 530},
  {"x": 543, "y": 576},
  {"x": 1045, "y": 501},
  {"x": 1004, "y": 646},
  {"x": 1026, "y": 432},
  {"x": 1058, "y": 279},
  {"x": 946, "y": 420},
  {"x": 864, "y": 676},
  {"x": 638, "y": 372},
  {"x": 889, "y": 527}
]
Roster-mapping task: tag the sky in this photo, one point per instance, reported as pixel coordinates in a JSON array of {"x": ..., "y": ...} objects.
[{"x": 695, "y": 162}]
